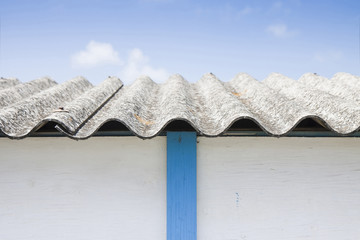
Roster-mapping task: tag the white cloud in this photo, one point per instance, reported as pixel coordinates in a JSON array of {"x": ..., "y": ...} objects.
[
  {"x": 99, "y": 54},
  {"x": 96, "y": 54},
  {"x": 137, "y": 64},
  {"x": 280, "y": 30}
]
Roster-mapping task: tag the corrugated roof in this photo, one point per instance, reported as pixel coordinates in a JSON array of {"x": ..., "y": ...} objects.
[{"x": 211, "y": 106}]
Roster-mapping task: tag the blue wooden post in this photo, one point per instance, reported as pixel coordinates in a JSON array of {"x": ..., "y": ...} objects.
[{"x": 181, "y": 186}]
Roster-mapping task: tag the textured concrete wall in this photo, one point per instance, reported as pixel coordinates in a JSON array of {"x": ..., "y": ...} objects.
[
  {"x": 101, "y": 188},
  {"x": 287, "y": 188}
]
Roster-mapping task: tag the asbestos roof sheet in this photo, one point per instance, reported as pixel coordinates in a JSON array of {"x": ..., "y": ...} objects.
[{"x": 210, "y": 106}]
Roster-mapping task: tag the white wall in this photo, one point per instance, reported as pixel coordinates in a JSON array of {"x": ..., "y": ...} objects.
[
  {"x": 280, "y": 189},
  {"x": 101, "y": 188},
  {"x": 115, "y": 188}
]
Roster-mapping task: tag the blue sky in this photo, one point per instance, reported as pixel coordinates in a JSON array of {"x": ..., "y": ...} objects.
[{"x": 95, "y": 39}]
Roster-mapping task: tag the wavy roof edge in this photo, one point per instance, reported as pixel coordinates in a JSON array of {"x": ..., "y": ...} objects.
[
  {"x": 277, "y": 104},
  {"x": 57, "y": 130},
  {"x": 12, "y": 81}
]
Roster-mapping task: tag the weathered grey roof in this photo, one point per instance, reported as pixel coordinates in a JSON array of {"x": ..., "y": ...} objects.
[{"x": 211, "y": 106}]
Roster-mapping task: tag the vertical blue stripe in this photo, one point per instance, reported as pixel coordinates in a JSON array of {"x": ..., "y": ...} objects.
[{"x": 181, "y": 186}]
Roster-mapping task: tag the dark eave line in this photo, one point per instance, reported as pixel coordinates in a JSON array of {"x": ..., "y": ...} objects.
[{"x": 226, "y": 134}]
